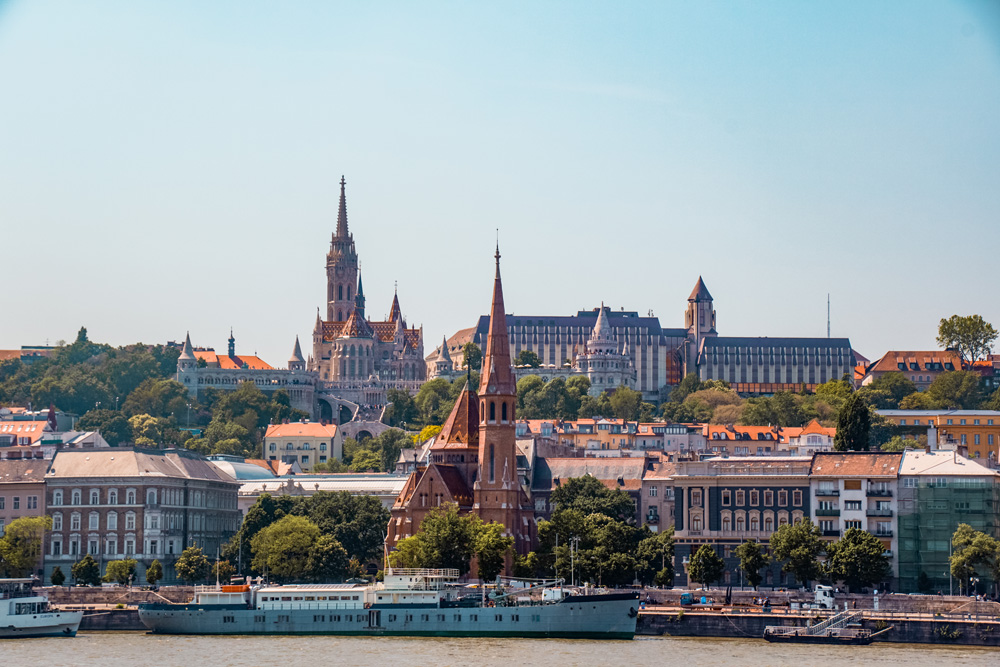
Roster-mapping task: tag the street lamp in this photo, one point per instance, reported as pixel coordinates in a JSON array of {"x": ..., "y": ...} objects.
[{"x": 574, "y": 544}]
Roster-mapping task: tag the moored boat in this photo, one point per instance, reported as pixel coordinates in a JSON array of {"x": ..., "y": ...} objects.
[
  {"x": 25, "y": 613},
  {"x": 410, "y": 602},
  {"x": 843, "y": 628}
]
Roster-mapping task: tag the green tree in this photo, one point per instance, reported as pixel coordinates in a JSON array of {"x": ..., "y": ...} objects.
[
  {"x": 472, "y": 356},
  {"x": 111, "y": 424},
  {"x": 974, "y": 552},
  {"x": 327, "y": 560},
  {"x": 86, "y": 571},
  {"x": 57, "y": 577},
  {"x": 688, "y": 385},
  {"x": 971, "y": 335},
  {"x": 21, "y": 544},
  {"x": 283, "y": 548},
  {"x": 993, "y": 403},
  {"x": 192, "y": 565},
  {"x": 411, "y": 552},
  {"x": 625, "y": 403},
  {"x": 799, "y": 546},
  {"x": 154, "y": 572},
  {"x": 356, "y": 522},
  {"x": 896, "y": 385},
  {"x": 589, "y": 496},
  {"x": 957, "y": 389},
  {"x": 401, "y": 409},
  {"x": 120, "y": 571},
  {"x": 261, "y": 514},
  {"x": 366, "y": 459},
  {"x": 858, "y": 559},
  {"x": 753, "y": 559},
  {"x": 898, "y": 444},
  {"x": 222, "y": 571},
  {"x": 527, "y": 358},
  {"x": 853, "y": 425},
  {"x": 706, "y": 566},
  {"x": 655, "y": 558},
  {"x": 491, "y": 549},
  {"x": 434, "y": 401},
  {"x": 445, "y": 540}
]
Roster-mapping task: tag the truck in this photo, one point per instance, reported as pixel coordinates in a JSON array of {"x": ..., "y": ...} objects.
[{"x": 822, "y": 599}]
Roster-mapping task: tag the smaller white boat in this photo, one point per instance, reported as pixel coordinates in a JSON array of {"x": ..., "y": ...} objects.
[{"x": 25, "y": 613}]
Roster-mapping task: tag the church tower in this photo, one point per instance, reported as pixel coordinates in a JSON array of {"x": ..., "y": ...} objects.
[
  {"x": 700, "y": 322},
  {"x": 341, "y": 266},
  {"x": 497, "y": 491}
]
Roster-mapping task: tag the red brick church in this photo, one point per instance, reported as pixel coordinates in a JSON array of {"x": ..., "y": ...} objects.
[{"x": 473, "y": 461}]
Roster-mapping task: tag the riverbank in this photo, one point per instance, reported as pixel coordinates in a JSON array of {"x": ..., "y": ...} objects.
[{"x": 904, "y": 628}]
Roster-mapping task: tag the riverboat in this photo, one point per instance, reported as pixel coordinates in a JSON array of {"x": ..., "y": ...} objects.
[
  {"x": 25, "y": 613},
  {"x": 843, "y": 628},
  {"x": 410, "y": 602}
]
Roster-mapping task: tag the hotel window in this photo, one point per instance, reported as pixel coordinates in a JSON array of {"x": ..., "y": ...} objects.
[
  {"x": 755, "y": 497},
  {"x": 727, "y": 497},
  {"x": 797, "y": 498},
  {"x": 769, "y": 498},
  {"x": 696, "y": 498},
  {"x": 741, "y": 498}
]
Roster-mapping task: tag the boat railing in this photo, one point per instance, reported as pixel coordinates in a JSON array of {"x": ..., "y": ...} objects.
[
  {"x": 446, "y": 573},
  {"x": 313, "y": 606},
  {"x": 838, "y": 620}
]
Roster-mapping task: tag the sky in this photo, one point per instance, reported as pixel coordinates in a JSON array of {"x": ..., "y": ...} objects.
[{"x": 174, "y": 166}]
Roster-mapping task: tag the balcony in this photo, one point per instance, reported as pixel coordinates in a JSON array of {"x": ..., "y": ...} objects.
[
  {"x": 879, "y": 493},
  {"x": 827, "y": 492},
  {"x": 878, "y": 512},
  {"x": 652, "y": 519},
  {"x": 822, "y": 512},
  {"x": 882, "y": 533},
  {"x": 831, "y": 533}
]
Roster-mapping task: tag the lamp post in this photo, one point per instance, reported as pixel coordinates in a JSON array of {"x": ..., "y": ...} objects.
[{"x": 574, "y": 544}]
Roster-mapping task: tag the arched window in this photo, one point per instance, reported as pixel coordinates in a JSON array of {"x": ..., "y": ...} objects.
[
  {"x": 95, "y": 497},
  {"x": 754, "y": 523},
  {"x": 130, "y": 497},
  {"x": 493, "y": 411},
  {"x": 727, "y": 523},
  {"x": 340, "y": 292},
  {"x": 57, "y": 497},
  {"x": 493, "y": 467},
  {"x": 151, "y": 497},
  {"x": 340, "y": 316},
  {"x": 768, "y": 524},
  {"x": 113, "y": 496},
  {"x": 740, "y": 524},
  {"x": 482, "y": 412},
  {"x": 77, "y": 497},
  {"x": 348, "y": 292},
  {"x": 503, "y": 411},
  {"x": 57, "y": 521},
  {"x": 696, "y": 523}
]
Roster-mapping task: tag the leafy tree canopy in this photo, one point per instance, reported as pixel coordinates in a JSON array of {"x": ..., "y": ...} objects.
[
  {"x": 192, "y": 565},
  {"x": 799, "y": 546},
  {"x": 853, "y": 425},
  {"x": 527, "y": 358},
  {"x": 858, "y": 559},
  {"x": 120, "y": 571},
  {"x": 971, "y": 335},
  {"x": 706, "y": 566},
  {"x": 86, "y": 571},
  {"x": 472, "y": 357},
  {"x": 588, "y": 495},
  {"x": 753, "y": 559},
  {"x": 21, "y": 544}
]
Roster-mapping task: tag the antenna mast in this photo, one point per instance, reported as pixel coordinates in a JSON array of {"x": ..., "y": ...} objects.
[{"x": 827, "y": 314}]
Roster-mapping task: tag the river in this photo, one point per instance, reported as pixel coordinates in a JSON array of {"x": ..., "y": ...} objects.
[{"x": 126, "y": 649}]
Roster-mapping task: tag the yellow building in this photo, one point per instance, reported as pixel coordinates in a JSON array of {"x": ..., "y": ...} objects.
[
  {"x": 976, "y": 430},
  {"x": 305, "y": 443}
]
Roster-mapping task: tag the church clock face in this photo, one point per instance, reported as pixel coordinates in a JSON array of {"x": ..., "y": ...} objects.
[{"x": 491, "y": 388}]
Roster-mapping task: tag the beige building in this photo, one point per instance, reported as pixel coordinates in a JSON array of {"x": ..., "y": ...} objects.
[
  {"x": 22, "y": 490},
  {"x": 144, "y": 504},
  {"x": 305, "y": 443}
]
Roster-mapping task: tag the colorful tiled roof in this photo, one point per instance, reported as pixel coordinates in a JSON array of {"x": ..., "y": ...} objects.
[
  {"x": 301, "y": 430},
  {"x": 924, "y": 360},
  {"x": 856, "y": 464},
  {"x": 461, "y": 429}
]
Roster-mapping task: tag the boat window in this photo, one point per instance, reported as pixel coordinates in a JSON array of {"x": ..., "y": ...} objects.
[{"x": 286, "y": 598}]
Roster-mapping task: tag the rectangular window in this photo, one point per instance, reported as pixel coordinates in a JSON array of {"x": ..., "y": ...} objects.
[
  {"x": 769, "y": 498},
  {"x": 741, "y": 498},
  {"x": 652, "y": 491},
  {"x": 33, "y": 500},
  {"x": 93, "y": 522},
  {"x": 852, "y": 504},
  {"x": 797, "y": 498},
  {"x": 3, "y": 502},
  {"x": 852, "y": 524},
  {"x": 783, "y": 498},
  {"x": 17, "y": 502},
  {"x": 755, "y": 497},
  {"x": 727, "y": 497}
]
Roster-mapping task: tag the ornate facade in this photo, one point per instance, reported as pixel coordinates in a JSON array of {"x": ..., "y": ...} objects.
[{"x": 357, "y": 359}]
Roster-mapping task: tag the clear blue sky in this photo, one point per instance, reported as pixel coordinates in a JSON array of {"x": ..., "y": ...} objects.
[{"x": 173, "y": 166}]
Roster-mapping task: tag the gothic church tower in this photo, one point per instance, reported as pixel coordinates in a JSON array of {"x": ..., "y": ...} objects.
[
  {"x": 700, "y": 322},
  {"x": 341, "y": 267},
  {"x": 497, "y": 492}
]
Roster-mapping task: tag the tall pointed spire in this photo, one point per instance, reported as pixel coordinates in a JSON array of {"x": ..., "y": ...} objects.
[
  {"x": 187, "y": 352},
  {"x": 342, "y": 212},
  {"x": 498, "y": 375},
  {"x": 297, "y": 352},
  {"x": 700, "y": 292},
  {"x": 394, "y": 312},
  {"x": 359, "y": 298}
]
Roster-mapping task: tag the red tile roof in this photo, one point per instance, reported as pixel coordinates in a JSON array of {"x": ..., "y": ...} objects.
[
  {"x": 23, "y": 429},
  {"x": 892, "y": 359},
  {"x": 232, "y": 363},
  {"x": 9, "y": 354},
  {"x": 856, "y": 464},
  {"x": 461, "y": 429}
]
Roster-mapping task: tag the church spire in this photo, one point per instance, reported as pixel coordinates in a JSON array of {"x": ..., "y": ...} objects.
[
  {"x": 359, "y": 298},
  {"x": 498, "y": 375},
  {"x": 394, "y": 312},
  {"x": 342, "y": 213}
]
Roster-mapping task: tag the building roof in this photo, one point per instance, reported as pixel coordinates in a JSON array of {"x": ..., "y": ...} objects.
[
  {"x": 942, "y": 463},
  {"x": 814, "y": 427},
  {"x": 381, "y": 484},
  {"x": 745, "y": 465},
  {"x": 740, "y": 433},
  {"x": 224, "y": 361},
  {"x": 301, "y": 430},
  {"x": 606, "y": 470},
  {"x": 24, "y": 429},
  {"x": 765, "y": 342},
  {"x": 856, "y": 464},
  {"x": 244, "y": 470},
  {"x": 119, "y": 462},
  {"x": 585, "y": 320},
  {"x": 9, "y": 354},
  {"x": 187, "y": 352},
  {"x": 461, "y": 428},
  {"x": 925, "y": 360},
  {"x": 700, "y": 292},
  {"x": 936, "y": 413},
  {"x": 13, "y": 471},
  {"x": 497, "y": 373},
  {"x": 297, "y": 352}
]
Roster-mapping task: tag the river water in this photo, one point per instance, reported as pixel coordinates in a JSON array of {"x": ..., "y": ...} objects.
[{"x": 140, "y": 650}]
